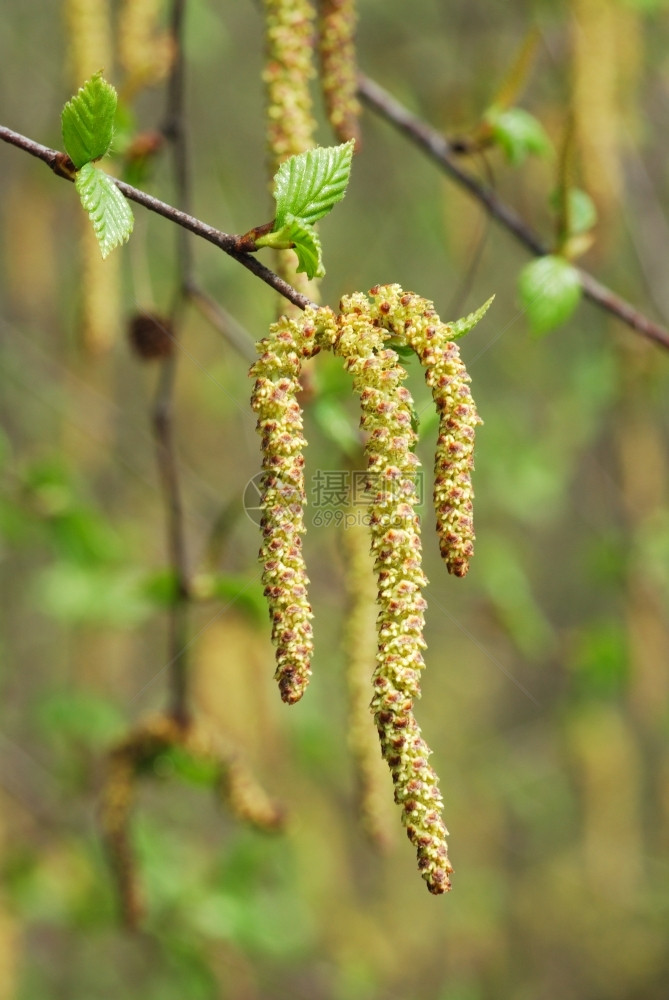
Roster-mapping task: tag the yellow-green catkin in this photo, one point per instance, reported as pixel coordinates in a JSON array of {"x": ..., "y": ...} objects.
[
  {"x": 360, "y": 644},
  {"x": 237, "y": 785},
  {"x": 289, "y": 70},
  {"x": 90, "y": 49},
  {"x": 359, "y": 335},
  {"x": 396, "y": 547},
  {"x": 413, "y": 320},
  {"x": 146, "y": 52},
  {"x": 116, "y": 803},
  {"x": 246, "y": 799},
  {"x": 89, "y": 38},
  {"x": 274, "y": 399},
  {"x": 125, "y": 763},
  {"x": 338, "y": 67}
]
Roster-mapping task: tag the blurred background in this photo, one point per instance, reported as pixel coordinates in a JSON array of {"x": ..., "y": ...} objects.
[{"x": 545, "y": 698}]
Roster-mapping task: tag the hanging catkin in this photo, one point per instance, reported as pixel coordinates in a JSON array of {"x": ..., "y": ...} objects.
[{"x": 359, "y": 335}]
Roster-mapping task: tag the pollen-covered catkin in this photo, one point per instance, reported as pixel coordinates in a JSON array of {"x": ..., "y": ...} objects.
[
  {"x": 89, "y": 37},
  {"x": 338, "y": 67},
  {"x": 237, "y": 785},
  {"x": 413, "y": 321},
  {"x": 274, "y": 399},
  {"x": 247, "y": 800},
  {"x": 115, "y": 811},
  {"x": 90, "y": 48},
  {"x": 289, "y": 69},
  {"x": 396, "y": 547},
  {"x": 359, "y": 335},
  {"x": 146, "y": 53},
  {"x": 360, "y": 645}
]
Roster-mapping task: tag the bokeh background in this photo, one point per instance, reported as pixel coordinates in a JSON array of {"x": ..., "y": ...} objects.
[{"x": 546, "y": 694}]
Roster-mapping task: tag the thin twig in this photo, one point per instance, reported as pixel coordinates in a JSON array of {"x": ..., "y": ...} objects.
[
  {"x": 224, "y": 241},
  {"x": 458, "y": 301},
  {"x": 426, "y": 138},
  {"x": 163, "y": 412},
  {"x": 442, "y": 152},
  {"x": 235, "y": 334},
  {"x": 174, "y": 130},
  {"x": 163, "y": 429}
]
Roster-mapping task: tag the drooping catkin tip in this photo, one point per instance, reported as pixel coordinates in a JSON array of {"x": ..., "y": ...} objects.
[
  {"x": 439, "y": 881},
  {"x": 283, "y": 496},
  {"x": 292, "y": 684},
  {"x": 460, "y": 569}
]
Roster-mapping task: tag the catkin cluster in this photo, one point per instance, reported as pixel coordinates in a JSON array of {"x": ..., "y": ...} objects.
[
  {"x": 289, "y": 69},
  {"x": 360, "y": 336}
]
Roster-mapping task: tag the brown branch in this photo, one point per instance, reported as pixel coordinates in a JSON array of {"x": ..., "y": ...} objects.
[
  {"x": 163, "y": 429},
  {"x": 62, "y": 167},
  {"x": 439, "y": 149},
  {"x": 174, "y": 130},
  {"x": 163, "y": 411}
]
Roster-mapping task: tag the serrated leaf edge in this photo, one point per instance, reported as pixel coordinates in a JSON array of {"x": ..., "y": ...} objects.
[
  {"x": 307, "y": 186},
  {"x": 460, "y": 327},
  {"x": 84, "y": 118},
  {"x": 307, "y": 246},
  {"x": 98, "y": 194}
]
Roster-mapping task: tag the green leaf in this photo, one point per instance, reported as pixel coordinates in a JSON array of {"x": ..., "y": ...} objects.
[
  {"x": 645, "y": 6},
  {"x": 192, "y": 769},
  {"x": 581, "y": 210},
  {"x": 460, "y": 327},
  {"x": 518, "y": 133},
  {"x": 82, "y": 716},
  {"x": 549, "y": 289},
  {"x": 308, "y": 185},
  {"x": 307, "y": 246},
  {"x": 84, "y": 536},
  {"x": 599, "y": 661},
  {"x": 337, "y": 425},
  {"x": 88, "y": 121},
  {"x": 88, "y": 595},
  {"x": 303, "y": 238},
  {"x": 245, "y": 594},
  {"x": 108, "y": 210},
  {"x": 161, "y": 588},
  {"x": 428, "y": 423},
  {"x": 402, "y": 350}
]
